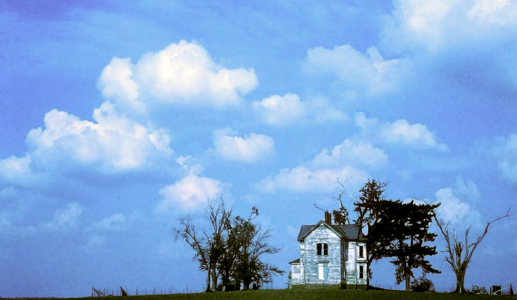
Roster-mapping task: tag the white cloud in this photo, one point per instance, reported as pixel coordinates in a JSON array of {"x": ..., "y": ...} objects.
[
  {"x": 351, "y": 153},
  {"x": 301, "y": 179},
  {"x": 17, "y": 170},
  {"x": 94, "y": 242},
  {"x": 347, "y": 162},
  {"x": 114, "y": 222},
  {"x": 442, "y": 24},
  {"x": 65, "y": 219},
  {"x": 288, "y": 109},
  {"x": 116, "y": 82},
  {"x": 188, "y": 193},
  {"x": 248, "y": 149},
  {"x": 367, "y": 73},
  {"x": 505, "y": 152},
  {"x": 454, "y": 211},
  {"x": 399, "y": 132},
  {"x": 111, "y": 144},
  {"x": 181, "y": 73}
]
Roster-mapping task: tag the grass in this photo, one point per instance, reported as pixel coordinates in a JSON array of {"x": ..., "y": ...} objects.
[{"x": 313, "y": 294}]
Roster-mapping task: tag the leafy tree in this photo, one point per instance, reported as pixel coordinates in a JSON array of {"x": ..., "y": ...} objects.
[
  {"x": 208, "y": 246},
  {"x": 231, "y": 248},
  {"x": 458, "y": 259},
  {"x": 401, "y": 232},
  {"x": 368, "y": 206},
  {"x": 369, "y": 212},
  {"x": 252, "y": 241},
  {"x": 395, "y": 229}
]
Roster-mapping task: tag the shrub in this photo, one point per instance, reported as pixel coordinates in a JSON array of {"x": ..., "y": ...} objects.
[{"x": 422, "y": 284}]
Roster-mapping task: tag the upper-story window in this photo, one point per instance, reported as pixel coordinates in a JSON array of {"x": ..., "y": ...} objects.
[
  {"x": 361, "y": 251},
  {"x": 322, "y": 249}
]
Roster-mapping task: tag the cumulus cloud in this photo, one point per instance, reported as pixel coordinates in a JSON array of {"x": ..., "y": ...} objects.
[
  {"x": 505, "y": 152},
  {"x": 182, "y": 73},
  {"x": 438, "y": 25},
  {"x": 347, "y": 162},
  {"x": 17, "y": 170},
  {"x": 247, "y": 149},
  {"x": 191, "y": 191},
  {"x": 288, "y": 109},
  {"x": 111, "y": 144},
  {"x": 351, "y": 153},
  {"x": 453, "y": 210},
  {"x": 399, "y": 132},
  {"x": 367, "y": 73}
]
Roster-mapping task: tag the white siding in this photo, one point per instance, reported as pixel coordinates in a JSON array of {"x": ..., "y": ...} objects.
[{"x": 310, "y": 259}]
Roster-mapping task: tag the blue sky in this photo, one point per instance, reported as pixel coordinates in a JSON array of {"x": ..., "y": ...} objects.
[{"x": 118, "y": 119}]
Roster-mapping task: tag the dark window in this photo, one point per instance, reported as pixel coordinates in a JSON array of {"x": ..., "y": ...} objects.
[
  {"x": 322, "y": 249},
  {"x": 361, "y": 251},
  {"x": 361, "y": 272}
]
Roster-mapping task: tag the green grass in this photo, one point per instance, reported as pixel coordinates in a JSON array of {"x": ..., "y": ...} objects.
[{"x": 313, "y": 294}]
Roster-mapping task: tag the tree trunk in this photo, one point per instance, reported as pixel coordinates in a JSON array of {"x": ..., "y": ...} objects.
[
  {"x": 214, "y": 279},
  {"x": 207, "y": 280},
  {"x": 408, "y": 279},
  {"x": 460, "y": 281}
]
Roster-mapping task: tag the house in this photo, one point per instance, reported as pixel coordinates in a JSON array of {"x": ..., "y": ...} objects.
[{"x": 330, "y": 255}]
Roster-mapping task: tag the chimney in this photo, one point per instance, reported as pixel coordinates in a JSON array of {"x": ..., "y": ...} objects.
[{"x": 328, "y": 218}]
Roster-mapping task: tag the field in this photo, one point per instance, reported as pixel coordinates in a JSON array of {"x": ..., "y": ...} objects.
[{"x": 313, "y": 294}]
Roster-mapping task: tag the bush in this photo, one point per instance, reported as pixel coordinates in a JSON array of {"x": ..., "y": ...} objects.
[{"x": 422, "y": 284}]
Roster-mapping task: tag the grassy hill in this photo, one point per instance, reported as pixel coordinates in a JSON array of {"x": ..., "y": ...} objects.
[{"x": 316, "y": 294}]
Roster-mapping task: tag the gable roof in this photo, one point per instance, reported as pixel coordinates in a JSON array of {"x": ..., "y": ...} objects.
[{"x": 349, "y": 231}]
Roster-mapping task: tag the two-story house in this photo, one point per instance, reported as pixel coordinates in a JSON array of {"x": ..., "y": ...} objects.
[{"x": 330, "y": 255}]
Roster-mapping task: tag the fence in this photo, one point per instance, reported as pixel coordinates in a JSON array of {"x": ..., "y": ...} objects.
[{"x": 103, "y": 292}]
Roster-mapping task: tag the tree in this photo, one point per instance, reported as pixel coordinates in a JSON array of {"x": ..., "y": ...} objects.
[
  {"x": 401, "y": 233},
  {"x": 231, "y": 248},
  {"x": 395, "y": 229},
  {"x": 208, "y": 247},
  {"x": 252, "y": 244},
  {"x": 458, "y": 259},
  {"x": 341, "y": 215},
  {"x": 368, "y": 209}
]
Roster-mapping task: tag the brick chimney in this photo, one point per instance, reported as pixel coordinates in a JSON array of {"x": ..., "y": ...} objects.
[{"x": 328, "y": 218}]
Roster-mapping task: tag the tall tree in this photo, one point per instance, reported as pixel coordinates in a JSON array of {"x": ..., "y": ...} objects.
[
  {"x": 230, "y": 248},
  {"x": 208, "y": 245},
  {"x": 252, "y": 241},
  {"x": 369, "y": 213},
  {"x": 458, "y": 259},
  {"x": 404, "y": 228}
]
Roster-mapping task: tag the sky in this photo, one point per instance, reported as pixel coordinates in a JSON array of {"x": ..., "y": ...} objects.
[{"x": 119, "y": 118}]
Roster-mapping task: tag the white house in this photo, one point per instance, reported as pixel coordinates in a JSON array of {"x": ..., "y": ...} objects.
[{"x": 330, "y": 255}]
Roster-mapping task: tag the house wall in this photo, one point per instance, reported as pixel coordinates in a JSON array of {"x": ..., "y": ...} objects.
[
  {"x": 309, "y": 259},
  {"x": 295, "y": 274},
  {"x": 353, "y": 263}
]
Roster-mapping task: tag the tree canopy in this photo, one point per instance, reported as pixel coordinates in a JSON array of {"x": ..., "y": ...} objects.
[{"x": 232, "y": 248}]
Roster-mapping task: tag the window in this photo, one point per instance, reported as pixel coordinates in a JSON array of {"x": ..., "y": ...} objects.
[
  {"x": 361, "y": 272},
  {"x": 323, "y": 271},
  {"x": 361, "y": 251},
  {"x": 322, "y": 249}
]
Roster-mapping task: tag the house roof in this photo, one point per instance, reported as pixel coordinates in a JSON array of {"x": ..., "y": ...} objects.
[
  {"x": 296, "y": 261},
  {"x": 349, "y": 231}
]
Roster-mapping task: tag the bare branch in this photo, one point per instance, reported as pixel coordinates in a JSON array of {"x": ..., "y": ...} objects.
[{"x": 318, "y": 207}]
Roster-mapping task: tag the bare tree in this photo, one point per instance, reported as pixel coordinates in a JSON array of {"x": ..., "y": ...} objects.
[{"x": 459, "y": 259}]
